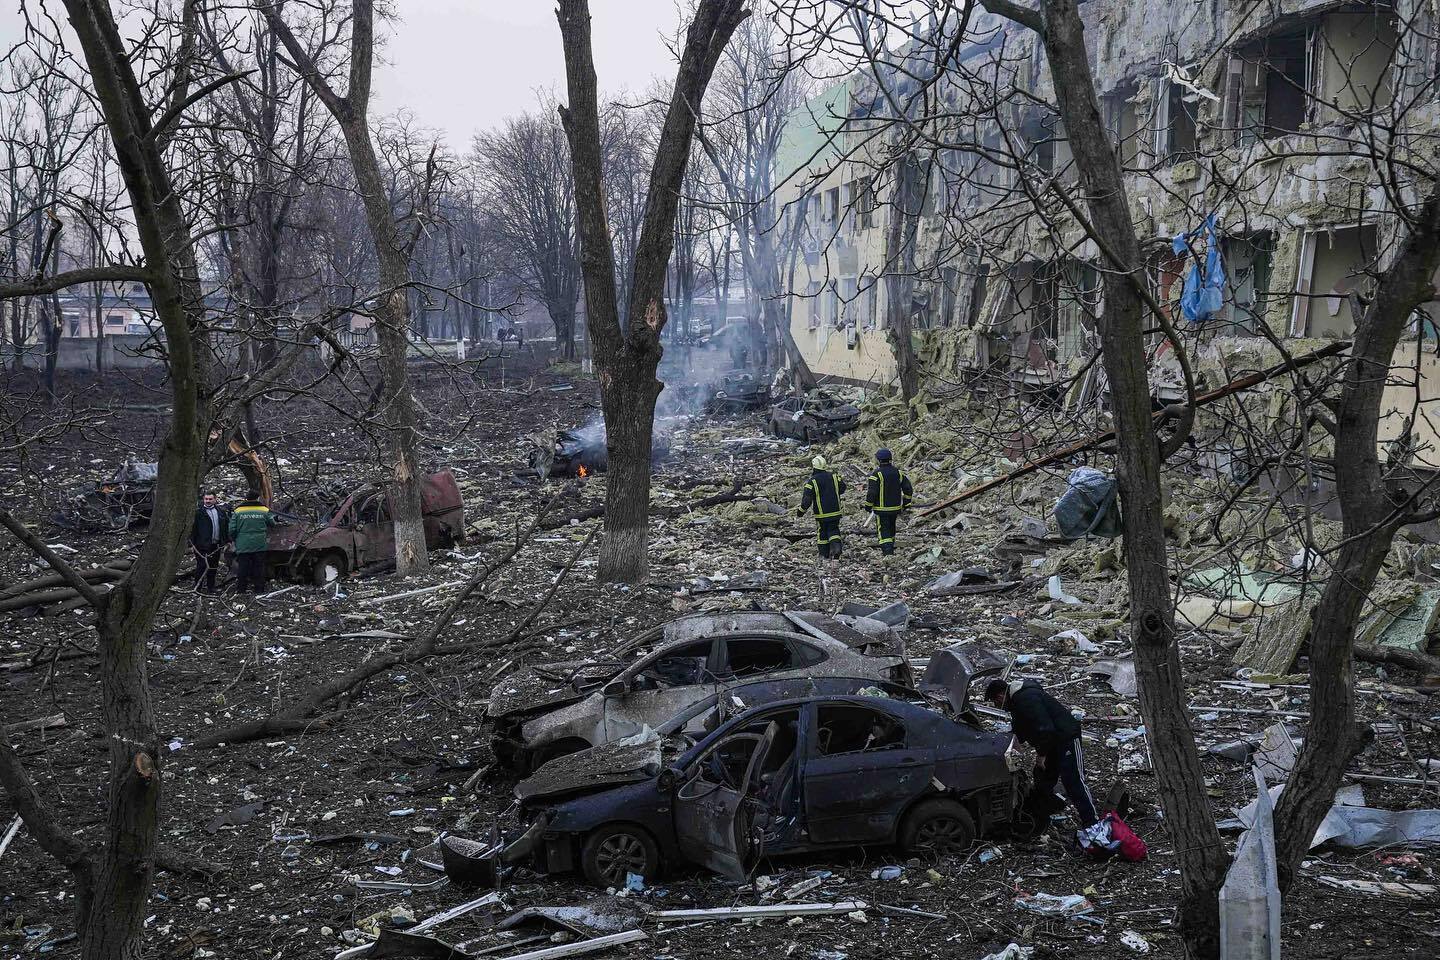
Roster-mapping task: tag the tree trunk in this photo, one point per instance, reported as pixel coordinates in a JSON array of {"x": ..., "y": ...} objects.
[
  {"x": 900, "y": 276},
  {"x": 627, "y": 356},
  {"x": 122, "y": 881},
  {"x": 392, "y": 304},
  {"x": 1188, "y": 816},
  {"x": 1370, "y": 517}
]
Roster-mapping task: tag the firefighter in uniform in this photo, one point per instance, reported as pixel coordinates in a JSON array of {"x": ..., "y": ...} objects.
[
  {"x": 822, "y": 494},
  {"x": 887, "y": 492}
]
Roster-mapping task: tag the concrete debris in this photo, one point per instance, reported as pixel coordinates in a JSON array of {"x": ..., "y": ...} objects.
[
  {"x": 1119, "y": 673},
  {"x": 1250, "y": 895}
]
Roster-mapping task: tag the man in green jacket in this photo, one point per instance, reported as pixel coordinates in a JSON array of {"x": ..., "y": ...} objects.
[{"x": 250, "y": 525}]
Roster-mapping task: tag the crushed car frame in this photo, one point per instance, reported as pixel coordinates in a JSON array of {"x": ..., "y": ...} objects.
[{"x": 551, "y": 710}]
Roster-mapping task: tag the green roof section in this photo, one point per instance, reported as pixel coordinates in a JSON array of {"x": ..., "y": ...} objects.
[{"x": 809, "y": 137}]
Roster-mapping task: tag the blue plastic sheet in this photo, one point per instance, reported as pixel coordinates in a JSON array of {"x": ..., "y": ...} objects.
[{"x": 1204, "y": 294}]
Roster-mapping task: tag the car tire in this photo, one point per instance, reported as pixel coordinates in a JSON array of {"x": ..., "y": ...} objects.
[
  {"x": 612, "y": 852},
  {"x": 328, "y": 567},
  {"x": 937, "y": 828}
]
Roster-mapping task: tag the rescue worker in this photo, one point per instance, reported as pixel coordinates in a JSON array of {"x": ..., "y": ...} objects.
[
  {"x": 887, "y": 492},
  {"x": 250, "y": 525},
  {"x": 1042, "y": 722},
  {"x": 822, "y": 494}
]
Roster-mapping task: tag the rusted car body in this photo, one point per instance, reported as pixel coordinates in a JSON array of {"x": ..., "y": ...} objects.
[
  {"x": 360, "y": 532},
  {"x": 821, "y": 771},
  {"x": 815, "y": 417},
  {"x": 553, "y": 709}
]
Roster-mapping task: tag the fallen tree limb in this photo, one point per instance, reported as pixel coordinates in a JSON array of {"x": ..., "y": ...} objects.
[
  {"x": 733, "y": 495},
  {"x": 114, "y": 570},
  {"x": 1095, "y": 440},
  {"x": 1409, "y": 659},
  {"x": 57, "y": 563},
  {"x": 298, "y": 717}
]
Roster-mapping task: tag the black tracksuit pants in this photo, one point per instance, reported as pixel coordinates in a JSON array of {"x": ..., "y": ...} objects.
[
  {"x": 1066, "y": 763},
  {"x": 250, "y": 572},
  {"x": 207, "y": 565}
]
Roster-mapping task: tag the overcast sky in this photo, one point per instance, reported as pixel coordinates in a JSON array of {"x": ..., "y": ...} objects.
[{"x": 463, "y": 65}]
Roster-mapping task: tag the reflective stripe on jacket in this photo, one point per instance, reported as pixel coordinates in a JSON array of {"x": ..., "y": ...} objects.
[
  {"x": 822, "y": 493},
  {"x": 888, "y": 490}
]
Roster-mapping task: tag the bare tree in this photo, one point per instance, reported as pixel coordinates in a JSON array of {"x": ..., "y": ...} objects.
[
  {"x": 627, "y": 353},
  {"x": 523, "y": 170},
  {"x": 113, "y": 889},
  {"x": 392, "y": 250},
  {"x": 754, "y": 94}
]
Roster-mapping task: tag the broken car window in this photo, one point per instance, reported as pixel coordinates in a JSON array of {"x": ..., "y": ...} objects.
[
  {"x": 844, "y": 728},
  {"x": 752, "y": 656},
  {"x": 681, "y": 666}
]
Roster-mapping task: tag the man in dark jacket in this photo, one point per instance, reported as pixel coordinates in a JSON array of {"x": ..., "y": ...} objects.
[
  {"x": 250, "y": 529},
  {"x": 887, "y": 492},
  {"x": 1042, "y": 722},
  {"x": 822, "y": 494},
  {"x": 209, "y": 533}
]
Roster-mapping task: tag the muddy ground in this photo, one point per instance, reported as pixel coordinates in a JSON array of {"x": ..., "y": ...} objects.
[{"x": 283, "y": 816}]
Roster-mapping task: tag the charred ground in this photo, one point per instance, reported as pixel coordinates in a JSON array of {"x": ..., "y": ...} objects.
[{"x": 289, "y": 818}]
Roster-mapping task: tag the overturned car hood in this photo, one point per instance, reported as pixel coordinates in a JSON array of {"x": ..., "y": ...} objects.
[
  {"x": 543, "y": 685},
  {"x": 612, "y": 764}
]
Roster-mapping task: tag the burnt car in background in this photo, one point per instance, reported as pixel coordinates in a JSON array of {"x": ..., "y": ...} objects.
[
  {"x": 358, "y": 531},
  {"x": 581, "y": 452},
  {"x": 739, "y": 392},
  {"x": 795, "y": 776},
  {"x": 550, "y": 710},
  {"x": 817, "y": 416}
]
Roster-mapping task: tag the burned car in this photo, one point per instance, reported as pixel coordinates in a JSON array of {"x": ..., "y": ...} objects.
[
  {"x": 359, "y": 531},
  {"x": 818, "y": 416},
  {"x": 582, "y": 451},
  {"x": 739, "y": 392},
  {"x": 795, "y": 776},
  {"x": 550, "y": 710}
]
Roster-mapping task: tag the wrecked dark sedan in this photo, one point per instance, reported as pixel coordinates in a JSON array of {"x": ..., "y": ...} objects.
[
  {"x": 550, "y": 710},
  {"x": 739, "y": 392},
  {"x": 789, "y": 777},
  {"x": 815, "y": 417}
]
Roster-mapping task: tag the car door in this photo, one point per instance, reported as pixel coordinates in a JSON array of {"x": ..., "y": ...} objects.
[
  {"x": 713, "y": 816},
  {"x": 375, "y": 535},
  {"x": 659, "y": 687},
  {"x": 861, "y": 771}
]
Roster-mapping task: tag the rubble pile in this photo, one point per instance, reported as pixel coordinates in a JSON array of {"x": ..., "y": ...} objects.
[{"x": 330, "y": 836}]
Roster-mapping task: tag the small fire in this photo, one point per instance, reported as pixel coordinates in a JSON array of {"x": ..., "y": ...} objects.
[{"x": 582, "y": 472}]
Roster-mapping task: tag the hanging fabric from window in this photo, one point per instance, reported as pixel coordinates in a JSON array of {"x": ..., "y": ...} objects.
[{"x": 1204, "y": 294}]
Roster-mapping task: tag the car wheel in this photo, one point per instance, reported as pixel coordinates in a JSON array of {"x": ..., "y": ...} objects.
[
  {"x": 328, "y": 567},
  {"x": 936, "y": 829},
  {"x": 612, "y": 853}
]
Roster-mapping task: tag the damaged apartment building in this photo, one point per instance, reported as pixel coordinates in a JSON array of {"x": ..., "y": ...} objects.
[{"x": 1268, "y": 117}]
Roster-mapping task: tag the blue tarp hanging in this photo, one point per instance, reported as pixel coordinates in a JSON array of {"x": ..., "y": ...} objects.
[{"x": 1204, "y": 293}]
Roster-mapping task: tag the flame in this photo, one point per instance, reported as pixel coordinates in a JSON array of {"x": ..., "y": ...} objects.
[{"x": 581, "y": 472}]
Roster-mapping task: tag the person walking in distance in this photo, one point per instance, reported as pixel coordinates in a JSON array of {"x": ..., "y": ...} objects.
[
  {"x": 822, "y": 494},
  {"x": 209, "y": 535},
  {"x": 1040, "y": 721},
  {"x": 887, "y": 493},
  {"x": 250, "y": 529}
]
